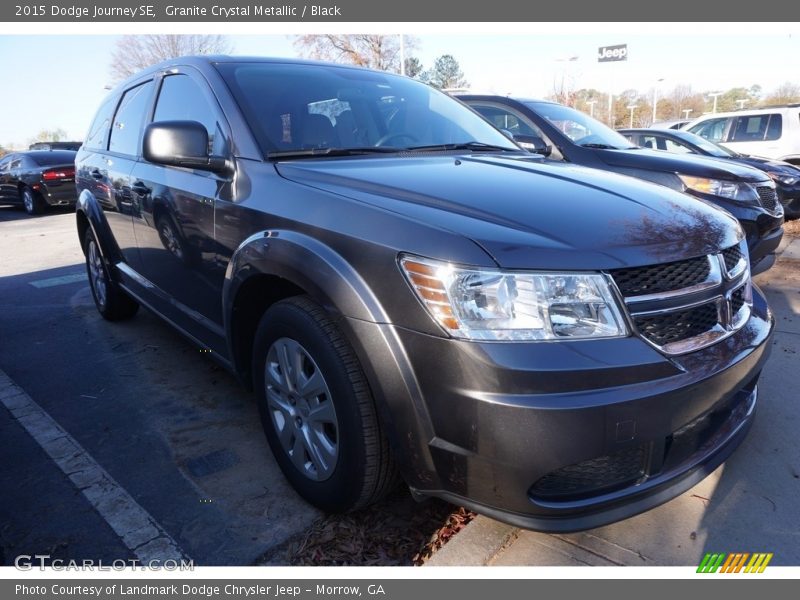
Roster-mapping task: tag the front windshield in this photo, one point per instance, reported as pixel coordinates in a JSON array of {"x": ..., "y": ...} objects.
[
  {"x": 308, "y": 107},
  {"x": 579, "y": 127},
  {"x": 706, "y": 146}
]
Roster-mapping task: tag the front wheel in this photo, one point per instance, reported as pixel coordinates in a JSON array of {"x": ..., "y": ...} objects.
[
  {"x": 317, "y": 409},
  {"x": 111, "y": 301}
]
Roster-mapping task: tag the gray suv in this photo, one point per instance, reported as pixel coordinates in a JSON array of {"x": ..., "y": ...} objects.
[{"x": 412, "y": 296}]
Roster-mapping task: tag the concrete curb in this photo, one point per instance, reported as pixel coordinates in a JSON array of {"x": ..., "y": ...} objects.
[{"x": 475, "y": 545}]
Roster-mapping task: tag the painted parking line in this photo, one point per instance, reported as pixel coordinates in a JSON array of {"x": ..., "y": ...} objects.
[
  {"x": 137, "y": 529},
  {"x": 54, "y": 281}
]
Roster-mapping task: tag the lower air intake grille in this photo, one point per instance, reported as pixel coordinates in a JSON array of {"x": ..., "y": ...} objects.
[{"x": 592, "y": 477}]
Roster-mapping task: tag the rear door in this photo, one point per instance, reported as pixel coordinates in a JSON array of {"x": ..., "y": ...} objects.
[
  {"x": 112, "y": 169},
  {"x": 174, "y": 216}
]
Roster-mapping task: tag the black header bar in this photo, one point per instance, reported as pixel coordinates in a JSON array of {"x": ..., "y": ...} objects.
[{"x": 346, "y": 11}]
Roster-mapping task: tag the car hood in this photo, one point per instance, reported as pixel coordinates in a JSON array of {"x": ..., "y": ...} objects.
[
  {"x": 697, "y": 166},
  {"x": 760, "y": 162},
  {"x": 527, "y": 214}
]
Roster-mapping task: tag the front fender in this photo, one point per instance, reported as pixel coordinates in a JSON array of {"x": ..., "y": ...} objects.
[{"x": 308, "y": 263}]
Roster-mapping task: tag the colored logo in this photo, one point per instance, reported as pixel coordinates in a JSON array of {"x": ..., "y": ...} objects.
[{"x": 735, "y": 562}]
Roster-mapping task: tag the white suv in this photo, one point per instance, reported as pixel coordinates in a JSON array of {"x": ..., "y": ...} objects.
[{"x": 772, "y": 132}]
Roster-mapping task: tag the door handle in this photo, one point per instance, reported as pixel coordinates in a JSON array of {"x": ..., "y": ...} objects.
[
  {"x": 140, "y": 188},
  {"x": 97, "y": 174}
]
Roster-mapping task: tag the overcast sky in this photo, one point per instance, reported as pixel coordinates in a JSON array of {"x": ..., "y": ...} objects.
[{"x": 52, "y": 81}]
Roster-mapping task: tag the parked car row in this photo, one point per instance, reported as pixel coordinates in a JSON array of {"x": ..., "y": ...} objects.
[
  {"x": 38, "y": 179},
  {"x": 785, "y": 175},
  {"x": 563, "y": 134},
  {"x": 772, "y": 132},
  {"x": 412, "y": 295}
]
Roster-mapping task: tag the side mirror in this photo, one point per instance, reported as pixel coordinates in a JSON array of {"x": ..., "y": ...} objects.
[
  {"x": 534, "y": 144},
  {"x": 181, "y": 144}
]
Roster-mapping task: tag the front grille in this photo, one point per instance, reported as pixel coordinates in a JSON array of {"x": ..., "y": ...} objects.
[
  {"x": 768, "y": 196},
  {"x": 732, "y": 257},
  {"x": 671, "y": 327},
  {"x": 666, "y": 277},
  {"x": 591, "y": 477},
  {"x": 737, "y": 300}
]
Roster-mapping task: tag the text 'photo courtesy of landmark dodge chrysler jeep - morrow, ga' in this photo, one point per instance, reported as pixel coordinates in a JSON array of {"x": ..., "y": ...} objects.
[{"x": 411, "y": 295}]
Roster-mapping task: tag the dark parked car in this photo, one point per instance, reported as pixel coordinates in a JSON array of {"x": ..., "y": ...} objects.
[
  {"x": 785, "y": 175},
  {"x": 38, "y": 179},
  {"x": 409, "y": 292},
  {"x": 565, "y": 134}
]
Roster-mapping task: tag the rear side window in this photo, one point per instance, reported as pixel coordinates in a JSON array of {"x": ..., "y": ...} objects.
[
  {"x": 757, "y": 128},
  {"x": 52, "y": 158},
  {"x": 127, "y": 129},
  {"x": 97, "y": 138},
  {"x": 182, "y": 99},
  {"x": 713, "y": 129}
]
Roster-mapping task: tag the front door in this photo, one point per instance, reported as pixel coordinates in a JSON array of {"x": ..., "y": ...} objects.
[{"x": 174, "y": 216}]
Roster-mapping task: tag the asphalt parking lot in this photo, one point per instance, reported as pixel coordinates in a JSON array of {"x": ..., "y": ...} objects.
[
  {"x": 170, "y": 427},
  {"x": 173, "y": 462}
]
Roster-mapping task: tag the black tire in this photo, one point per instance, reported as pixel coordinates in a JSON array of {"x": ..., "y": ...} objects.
[
  {"x": 32, "y": 202},
  {"x": 363, "y": 470},
  {"x": 111, "y": 302}
]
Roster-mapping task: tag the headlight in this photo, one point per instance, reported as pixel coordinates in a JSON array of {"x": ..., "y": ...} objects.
[
  {"x": 783, "y": 178},
  {"x": 715, "y": 187},
  {"x": 479, "y": 304}
]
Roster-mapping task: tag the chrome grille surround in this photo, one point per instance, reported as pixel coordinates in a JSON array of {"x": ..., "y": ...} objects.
[{"x": 685, "y": 319}]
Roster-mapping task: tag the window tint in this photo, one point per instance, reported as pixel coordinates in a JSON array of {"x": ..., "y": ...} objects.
[
  {"x": 713, "y": 129},
  {"x": 182, "y": 99},
  {"x": 505, "y": 119},
  {"x": 54, "y": 157},
  {"x": 302, "y": 107},
  {"x": 756, "y": 128},
  {"x": 674, "y": 147},
  {"x": 774, "y": 127},
  {"x": 127, "y": 129},
  {"x": 97, "y": 138}
]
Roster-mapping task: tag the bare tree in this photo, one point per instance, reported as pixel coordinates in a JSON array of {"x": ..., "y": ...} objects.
[
  {"x": 786, "y": 93},
  {"x": 135, "y": 52},
  {"x": 375, "y": 51},
  {"x": 49, "y": 135}
]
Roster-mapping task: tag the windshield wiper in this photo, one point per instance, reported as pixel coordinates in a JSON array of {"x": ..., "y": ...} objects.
[
  {"x": 603, "y": 146},
  {"x": 322, "y": 152},
  {"x": 477, "y": 146}
]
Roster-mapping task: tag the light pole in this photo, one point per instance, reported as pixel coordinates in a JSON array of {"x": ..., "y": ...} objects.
[
  {"x": 714, "y": 95},
  {"x": 632, "y": 107},
  {"x": 591, "y": 104},
  {"x": 402, "y": 54},
  {"x": 686, "y": 112},
  {"x": 566, "y": 75},
  {"x": 655, "y": 98}
]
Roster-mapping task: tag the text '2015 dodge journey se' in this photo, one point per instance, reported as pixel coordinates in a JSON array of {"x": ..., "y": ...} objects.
[{"x": 411, "y": 295}]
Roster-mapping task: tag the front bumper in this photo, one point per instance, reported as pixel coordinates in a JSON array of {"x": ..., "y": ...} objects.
[
  {"x": 763, "y": 229},
  {"x": 501, "y": 418},
  {"x": 789, "y": 196}
]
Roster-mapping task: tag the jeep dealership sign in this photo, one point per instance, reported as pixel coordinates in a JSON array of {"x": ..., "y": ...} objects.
[{"x": 612, "y": 53}]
